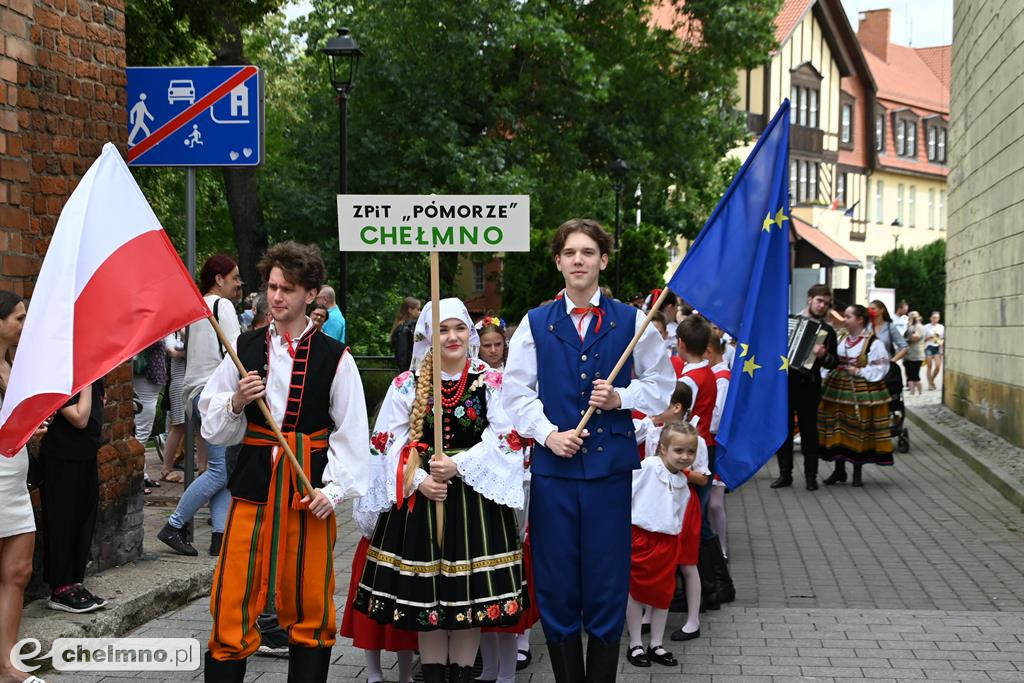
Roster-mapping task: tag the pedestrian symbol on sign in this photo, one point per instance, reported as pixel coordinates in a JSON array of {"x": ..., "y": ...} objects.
[{"x": 137, "y": 117}]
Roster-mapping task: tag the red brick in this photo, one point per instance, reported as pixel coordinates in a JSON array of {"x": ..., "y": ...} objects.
[
  {"x": 9, "y": 121},
  {"x": 21, "y": 6},
  {"x": 14, "y": 145},
  {"x": 53, "y": 185},
  {"x": 11, "y": 169},
  {"x": 12, "y": 95},
  {"x": 73, "y": 26},
  {"x": 8, "y": 70},
  {"x": 14, "y": 24},
  {"x": 11, "y": 217},
  {"x": 47, "y": 18},
  {"x": 16, "y": 265},
  {"x": 21, "y": 50}
]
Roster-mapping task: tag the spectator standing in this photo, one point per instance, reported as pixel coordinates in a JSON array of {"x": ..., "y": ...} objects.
[
  {"x": 901, "y": 319},
  {"x": 174, "y": 345},
  {"x": 149, "y": 375},
  {"x": 402, "y": 332},
  {"x": 915, "y": 352},
  {"x": 885, "y": 330},
  {"x": 221, "y": 286},
  {"x": 319, "y": 316},
  {"x": 71, "y": 494},
  {"x": 934, "y": 344},
  {"x": 17, "y": 523},
  {"x": 805, "y": 394},
  {"x": 335, "y": 325}
]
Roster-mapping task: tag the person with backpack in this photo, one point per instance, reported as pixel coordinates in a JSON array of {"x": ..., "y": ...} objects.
[{"x": 221, "y": 286}]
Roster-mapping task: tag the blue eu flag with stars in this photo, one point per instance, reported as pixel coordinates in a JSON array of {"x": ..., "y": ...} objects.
[{"x": 736, "y": 274}]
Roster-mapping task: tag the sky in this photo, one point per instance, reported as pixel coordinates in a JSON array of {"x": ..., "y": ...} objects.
[{"x": 918, "y": 23}]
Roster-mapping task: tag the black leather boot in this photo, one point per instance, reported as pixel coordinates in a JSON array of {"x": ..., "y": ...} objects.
[
  {"x": 308, "y": 664},
  {"x": 857, "y": 481},
  {"x": 602, "y": 661},
  {"x": 706, "y": 568},
  {"x": 460, "y": 674},
  {"x": 724, "y": 587},
  {"x": 785, "y": 479},
  {"x": 838, "y": 475},
  {"x": 567, "y": 660},
  {"x": 433, "y": 673},
  {"x": 223, "y": 671}
]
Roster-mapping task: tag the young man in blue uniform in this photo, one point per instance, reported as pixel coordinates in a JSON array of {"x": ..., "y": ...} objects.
[{"x": 558, "y": 363}]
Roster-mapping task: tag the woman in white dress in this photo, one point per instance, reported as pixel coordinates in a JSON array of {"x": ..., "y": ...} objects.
[{"x": 17, "y": 523}]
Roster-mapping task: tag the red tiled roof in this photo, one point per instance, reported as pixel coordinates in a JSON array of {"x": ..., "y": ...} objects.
[
  {"x": 939, "y": 60},
  {"x": 789, "y": 16},
  {"x": 907, "y": 79},
  {"x": 919, "y": 162}
]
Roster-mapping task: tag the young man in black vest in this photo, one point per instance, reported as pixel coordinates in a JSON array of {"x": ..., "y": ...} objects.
[
  {"x": 279, "y": 539},
  {"x": 558, "y": 364},
  {"x": 805, "y": 394}
]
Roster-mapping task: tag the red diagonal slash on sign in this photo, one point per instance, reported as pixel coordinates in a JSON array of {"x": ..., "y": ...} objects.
[{"x": 191, "y": 112}]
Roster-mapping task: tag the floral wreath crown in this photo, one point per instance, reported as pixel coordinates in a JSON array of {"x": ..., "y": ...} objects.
[{"x": 490, "y": 320}]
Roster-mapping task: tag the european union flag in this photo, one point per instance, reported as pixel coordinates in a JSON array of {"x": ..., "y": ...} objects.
[{"x": 737, "y": 275}]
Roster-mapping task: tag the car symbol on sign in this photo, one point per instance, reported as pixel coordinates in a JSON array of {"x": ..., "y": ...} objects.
[{"x": 184, "y": 91}]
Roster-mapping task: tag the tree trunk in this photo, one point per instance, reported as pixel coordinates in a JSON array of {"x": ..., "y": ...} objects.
[{"x": 241, "y": 184}]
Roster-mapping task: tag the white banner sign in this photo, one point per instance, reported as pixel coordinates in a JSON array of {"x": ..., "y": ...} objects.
[{"x": 450, "y": 222}]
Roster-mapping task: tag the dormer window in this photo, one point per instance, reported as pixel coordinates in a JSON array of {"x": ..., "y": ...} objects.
[
  {"x": 805, "y": 87},
  {"x": 905, "y": 122}
]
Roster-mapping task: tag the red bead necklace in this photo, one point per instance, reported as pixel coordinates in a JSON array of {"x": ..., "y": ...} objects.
[{"x": 450, "y": 396}]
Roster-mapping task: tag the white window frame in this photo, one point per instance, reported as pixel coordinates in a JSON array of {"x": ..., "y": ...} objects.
[
  {"x": 912, "y": 207},
  {"x": 879, "y": 196}
]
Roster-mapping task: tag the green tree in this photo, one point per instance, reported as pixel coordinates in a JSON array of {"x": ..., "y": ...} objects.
[{"x": 918, "y": 276}]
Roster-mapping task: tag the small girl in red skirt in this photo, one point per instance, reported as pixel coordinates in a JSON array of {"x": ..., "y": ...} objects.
[
  {"x": 367, "y": 634},
  {"x": 662, "y": 513}
]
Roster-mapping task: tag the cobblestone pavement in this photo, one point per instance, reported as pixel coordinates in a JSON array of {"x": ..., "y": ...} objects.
[{"x": 917, "y": 576}]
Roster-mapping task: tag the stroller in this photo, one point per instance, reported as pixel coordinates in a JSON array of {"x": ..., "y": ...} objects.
[{"x": 897, "y": 410}]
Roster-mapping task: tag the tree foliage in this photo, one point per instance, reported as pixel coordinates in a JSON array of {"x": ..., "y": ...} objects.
[{"x": 918, "y": 276}]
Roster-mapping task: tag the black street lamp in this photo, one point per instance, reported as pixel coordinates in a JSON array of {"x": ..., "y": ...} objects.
[
  {"x": 343, "y": 53},
  {"x": 617, "y": 169}
]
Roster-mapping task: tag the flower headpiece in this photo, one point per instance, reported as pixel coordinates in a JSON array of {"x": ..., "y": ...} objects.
[{"x": 490, "y": 320}]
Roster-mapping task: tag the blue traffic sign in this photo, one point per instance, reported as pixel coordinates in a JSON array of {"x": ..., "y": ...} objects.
[{"x": 195, "y": 116}]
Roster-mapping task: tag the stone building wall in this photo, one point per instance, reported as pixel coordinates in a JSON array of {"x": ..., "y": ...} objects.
[
  {"x": 62, "y": 96},
  {"x": 984, "y": 375}
]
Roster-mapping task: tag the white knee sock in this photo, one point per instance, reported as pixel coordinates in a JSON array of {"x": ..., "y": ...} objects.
[
  {"x": 692, "y": 581},
  {"x": 634, "y": 619},
  {"x": 716, "y": 513},
  {"x": 489, "y": 656},
  {"x": 506, "y": 657},
  {"x": 524, "y": 641},
  {"x": 659, "y": 617},
  {"x": 373, "y": 672}
]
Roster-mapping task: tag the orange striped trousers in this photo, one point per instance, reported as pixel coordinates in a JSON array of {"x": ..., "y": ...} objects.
[{"x": 302, "y": 576}]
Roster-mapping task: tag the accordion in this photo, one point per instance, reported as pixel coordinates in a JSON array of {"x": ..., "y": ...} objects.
[{"x": 804, "y": 334}]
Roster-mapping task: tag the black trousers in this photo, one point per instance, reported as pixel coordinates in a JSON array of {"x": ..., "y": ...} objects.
[
  {"x": 804, "y": 396},
  {"x": 71, "y": 494}
]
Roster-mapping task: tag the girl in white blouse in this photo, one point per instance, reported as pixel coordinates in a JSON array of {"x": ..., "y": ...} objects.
[{"x": 660, "y": 505}]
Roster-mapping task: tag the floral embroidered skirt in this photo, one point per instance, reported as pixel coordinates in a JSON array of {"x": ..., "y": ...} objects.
[
  {"x": 853, "y": 420},
  {"x": 474, "y": 579}
]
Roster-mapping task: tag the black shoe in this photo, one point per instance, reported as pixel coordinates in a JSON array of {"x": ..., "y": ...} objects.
[
  {"x": 525, "y": 661},
  {"x": 637, "y": 656},
  {"x": 460, "y": 674},
  {"x": 100, "y": 602},
  {"x": 273, "y": 638},
  {"x": 176, "y": 541},
  {"x": 679, "y": 635},
  {"x": 308, "y": 664},
  {"x": 837, "y": 477},
  {"x": 660, "y": 655},
  {"x": 567, "y": 660},
  {"x": 72, "y": 599},
  {"x": 216, "y": 539},
  {"x": 602, "y": 660},
  {"x": 783, "y": 481},
  {"x": 812, "y": 482},
  {"x": 226, "y": 671},
  {"x": 433, "y": 673}
]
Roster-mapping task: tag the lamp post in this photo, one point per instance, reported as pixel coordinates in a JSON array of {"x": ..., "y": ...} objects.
[
  {"x": 343, "y": 54},
  {"x": 896, "y": 225},
  {"x": 617, "y": 170}
]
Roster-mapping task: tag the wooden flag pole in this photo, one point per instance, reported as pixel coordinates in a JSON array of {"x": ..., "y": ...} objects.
[
  {"x": 625, "y": 354},
  {"x": 435, "y": 351},
  {"x": 230, "y": 348}
]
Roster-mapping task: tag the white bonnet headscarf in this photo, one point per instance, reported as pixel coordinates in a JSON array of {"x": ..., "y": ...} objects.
[{"x": 449, "y": 308}]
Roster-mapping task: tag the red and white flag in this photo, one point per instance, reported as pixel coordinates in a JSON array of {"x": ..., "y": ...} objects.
[{"x": 110, "y": 286}]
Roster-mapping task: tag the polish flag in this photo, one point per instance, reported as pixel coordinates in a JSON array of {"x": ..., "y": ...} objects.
[{"x": 110, "y": 286}]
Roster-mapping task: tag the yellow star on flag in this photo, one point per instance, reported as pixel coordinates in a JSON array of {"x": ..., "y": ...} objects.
[
  {"x": 750, "y": 365},
  {"x": 767, "y": 224},
  {"x": 779, "y": 217},
  {"x": 785, "y": 363},
  {"x": 744, "y": 348}
]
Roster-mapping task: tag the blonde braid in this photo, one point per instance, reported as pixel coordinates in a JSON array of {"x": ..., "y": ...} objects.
[{"x": 424, "y": 386}]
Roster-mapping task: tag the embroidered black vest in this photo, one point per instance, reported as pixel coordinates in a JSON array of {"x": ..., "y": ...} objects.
[
  {"x": 463, "y": 424},
  {"x": 307, "y": 411}
]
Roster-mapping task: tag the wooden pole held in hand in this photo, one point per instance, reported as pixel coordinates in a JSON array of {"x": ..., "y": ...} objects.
[
  {"x": 435, "y": 351},
  {"x": 265, "y": 409},
  {"x": 625, "y": 355}
]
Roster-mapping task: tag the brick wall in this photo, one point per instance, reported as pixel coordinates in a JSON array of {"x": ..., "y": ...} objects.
[
  {"x": 62, "y": 96},
  {"x": 984, "y": 375}
]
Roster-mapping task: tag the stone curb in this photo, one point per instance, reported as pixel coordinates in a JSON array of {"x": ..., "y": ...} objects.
[
  {"x": 995, "y": 476},
  {"x": 136, "y": 593}
]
